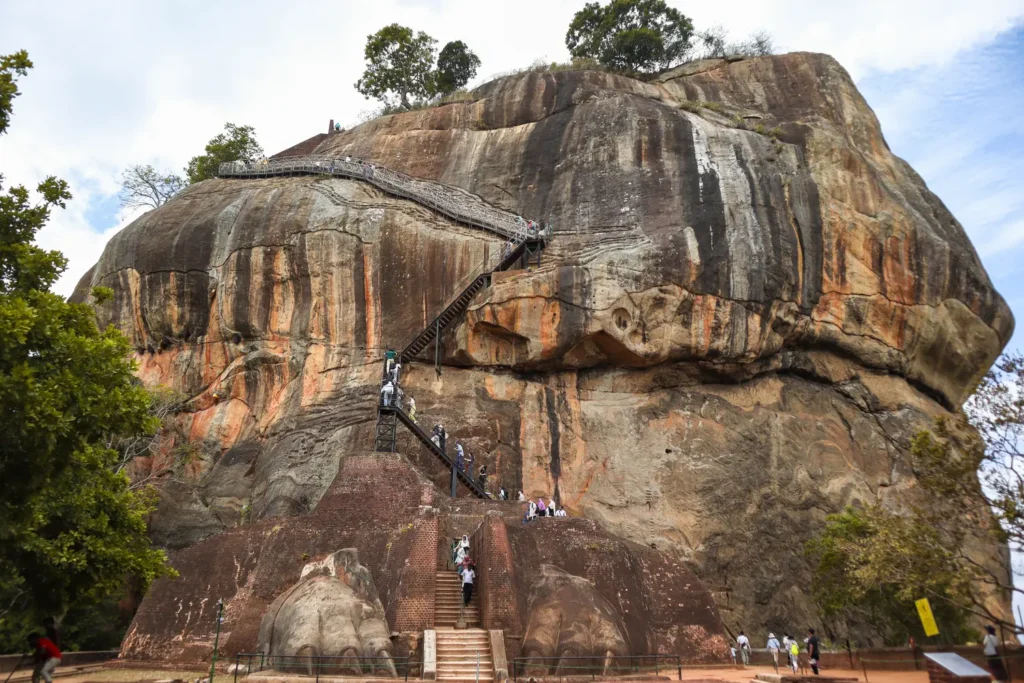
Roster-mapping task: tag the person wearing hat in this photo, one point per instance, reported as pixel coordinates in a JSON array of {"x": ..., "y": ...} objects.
[{"x": 774, "y": 647}]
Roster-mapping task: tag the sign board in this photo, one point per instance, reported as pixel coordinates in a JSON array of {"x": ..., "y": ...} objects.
[{"x": 924, "y": 610}]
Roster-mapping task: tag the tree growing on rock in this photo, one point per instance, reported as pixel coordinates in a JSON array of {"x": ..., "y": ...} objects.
[
  {"x": 146, "y": 187},
  {"x": 236, "y": 143},
  {"x": 634, "y": 36},
  {"x": 456, "y": 65},
  {"x": 72, "y": 532},
  {"x": 970, "y": 469},
  {"x": 400, "y": 67}
]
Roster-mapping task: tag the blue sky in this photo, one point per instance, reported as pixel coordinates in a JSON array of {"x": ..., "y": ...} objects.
[{"x": 961, "y": 126}]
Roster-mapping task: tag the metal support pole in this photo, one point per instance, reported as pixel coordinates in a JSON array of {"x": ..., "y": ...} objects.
[
  {"x": 216, "y": 638},
  {"x": 317, "y": 670},
  {"x": 437, "y": 346},
  {"x": 455, "y": 482}
]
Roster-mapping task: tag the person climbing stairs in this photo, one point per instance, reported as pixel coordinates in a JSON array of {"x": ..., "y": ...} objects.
[{"x": 463, "y": 654}]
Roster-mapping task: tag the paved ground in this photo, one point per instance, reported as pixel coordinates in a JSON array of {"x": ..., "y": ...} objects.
[{"x": 692, "y": 675}]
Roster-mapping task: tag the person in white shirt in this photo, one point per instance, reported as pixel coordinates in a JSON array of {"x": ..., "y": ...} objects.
[
  {"x": 991, "y": 650},
  {"x": 468, "y": 574},
  {"x": 744, "y": 646},
  {"x": 774, "y": 647},
  {"x": 522, "y": 498}
]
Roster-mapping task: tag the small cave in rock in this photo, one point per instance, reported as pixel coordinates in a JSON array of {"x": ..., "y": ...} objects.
[
  {"x": 622, "y": 318},
  {"x": 236, "y": 338}
]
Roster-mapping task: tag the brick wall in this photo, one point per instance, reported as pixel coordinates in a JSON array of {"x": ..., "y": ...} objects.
[
  {"x": 414, "y": 609},
  {"x": 938, "y": 674},
  {"x": 499, "y": 607}
]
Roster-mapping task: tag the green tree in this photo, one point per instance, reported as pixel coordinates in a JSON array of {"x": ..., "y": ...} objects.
[
  {"x": 399, "y": 66},
  {"x": 630, "y": 35},
  {"x": 72, "y": 533},
  {"x": 144, "y": 186},
  {"x": 456, "y": 65},
  {"x": 970, "y": 474},
  {"x": 236, "y": 143}
]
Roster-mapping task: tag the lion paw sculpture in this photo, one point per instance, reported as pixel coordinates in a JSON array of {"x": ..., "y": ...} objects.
[
  {"x": 570, "y": 627},
  {"x": 333, "y": 611}
]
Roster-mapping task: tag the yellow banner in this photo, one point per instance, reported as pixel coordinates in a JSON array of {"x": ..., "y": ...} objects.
[{"x": 924, "y": 610}]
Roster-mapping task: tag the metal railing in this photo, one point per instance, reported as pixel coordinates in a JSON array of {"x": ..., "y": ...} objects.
[
  {"x": 317, "y": 665},
  {"x": 453, "y": 202},
  {"x": 622, "y": 665}
]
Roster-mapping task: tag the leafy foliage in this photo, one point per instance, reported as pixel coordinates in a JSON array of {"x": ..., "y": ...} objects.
[
  {"x": 11, "y": 66},
  {"x": 713, "y": 42},
  {"x": 144, "y": 186},
  {"x": 971, "y": 476},
  {"x": 634, "y": 36},
  {"x": 456, "y": 65},
  {"x": 399, "y": 65},
  {"x": 72, "y": 533},
  {"x": 236, "y": 143}
]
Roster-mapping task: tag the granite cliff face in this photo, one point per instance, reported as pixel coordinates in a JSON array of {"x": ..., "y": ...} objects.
[{"x": 731, "y": 334}]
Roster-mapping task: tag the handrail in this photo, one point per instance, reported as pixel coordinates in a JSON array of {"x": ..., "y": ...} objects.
[
  {"x": 489, "y": 266},
  {"x": 454, "y": 202},
  {"x": 424, "y": 439}
]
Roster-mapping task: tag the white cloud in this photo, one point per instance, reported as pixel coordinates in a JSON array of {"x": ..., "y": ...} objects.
[{"x": 122, "y": 82}]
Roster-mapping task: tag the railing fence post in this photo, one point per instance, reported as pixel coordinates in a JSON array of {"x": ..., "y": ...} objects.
[{"x": 318, "y": 670}]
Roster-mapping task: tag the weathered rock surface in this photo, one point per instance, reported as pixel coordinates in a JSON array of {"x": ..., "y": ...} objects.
[
  {"x": 730, "y": 336},
  {"x": 568, "y": 619},
  {"x": 333, "y": 611}
]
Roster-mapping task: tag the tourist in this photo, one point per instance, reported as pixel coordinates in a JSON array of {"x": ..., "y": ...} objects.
[
  {"x": 468, "y": 574},
  {"x": 483, "y": 476},
  {"x": 47, "y": 657},
  {"x": 542, "y": 508},
  {"x": 551, "y": 507},
  {"x": 773, "y": 648},
  {"x": 531, "y": 513},
  {"x": 396, "y": 370},
  {"x": 813, "y": 650},
  {"x": 469, "y": 465},
  {"x": 385, "y": 394},
  {"x": 794, "y": 654},
  {"x": 412, "y": 409},
  {"x": 744, "y": 644},
  {"x": 458, "y": 456},
  {"x": 390, "y": 357},
  {"x": 502, "y": 493},
  {"x": 466, "y": 563},
  {"x": 991, "y": 650},
  {"x": 521, "y": 498},
  {"x": 732, "y": 652},
  {"x": 461, "y": 550},
  {"x": 561, "y": 513}
]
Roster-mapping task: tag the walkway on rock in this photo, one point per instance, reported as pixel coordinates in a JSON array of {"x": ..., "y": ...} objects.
[{"x": 524, "y": 241}]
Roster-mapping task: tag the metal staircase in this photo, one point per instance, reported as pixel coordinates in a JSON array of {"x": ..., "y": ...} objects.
[
  {"x": 386, "y": 441},
  {"x": 524, "y": 241}
]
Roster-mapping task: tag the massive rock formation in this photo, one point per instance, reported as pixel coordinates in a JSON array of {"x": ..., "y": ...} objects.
[{"x": 748, "y": 308}]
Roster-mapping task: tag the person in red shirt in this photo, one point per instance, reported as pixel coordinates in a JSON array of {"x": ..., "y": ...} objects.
[{"x": 47, "y": 657}]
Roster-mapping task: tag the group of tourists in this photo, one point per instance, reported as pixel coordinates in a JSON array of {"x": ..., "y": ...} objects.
[
  {"x": 391, "y": 394},
  {"x": 465, "y": 566},
  {"x": 539, "y": 508},
  {"x": 789, "y": 646}
]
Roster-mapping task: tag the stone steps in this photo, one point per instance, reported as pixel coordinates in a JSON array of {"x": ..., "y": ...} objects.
[
  {"x": 460, "y": 651},
  {"x": 448, "y": 602}
]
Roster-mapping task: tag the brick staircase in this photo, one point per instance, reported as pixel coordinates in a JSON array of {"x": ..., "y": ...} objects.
[{"x": 459, "y": 650}]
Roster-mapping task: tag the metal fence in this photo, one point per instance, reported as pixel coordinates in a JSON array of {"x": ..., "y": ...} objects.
[
  {"x": 622, "y": 665},
  {"x": 453, "y": 202},
  {"x": 317, "y": 665}
]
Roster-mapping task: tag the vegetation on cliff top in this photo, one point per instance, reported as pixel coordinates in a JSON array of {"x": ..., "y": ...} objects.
[
  {"x": 400, "y": 70},
  {"x": 72, "y": 531},
  {"x": 872, "y": 563}
]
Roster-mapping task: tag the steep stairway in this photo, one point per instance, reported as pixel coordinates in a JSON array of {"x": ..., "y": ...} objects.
[
  {"x": 448, "y": 601},
  {"x": 460, "y": 651}
]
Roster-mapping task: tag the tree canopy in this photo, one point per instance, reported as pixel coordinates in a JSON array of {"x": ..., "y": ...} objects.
[
  {"x": 236, "y": 143},
  {"x": 969, "y": 471},
  {"x": 72, "y": 532},
  {"x": 144, "y": 186},
  {"x": 400, "y": 70},
  {"x": 630, "y": 35},
  {"x": 456, "y": 65},
  {"x": 398, "y": 65}
]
